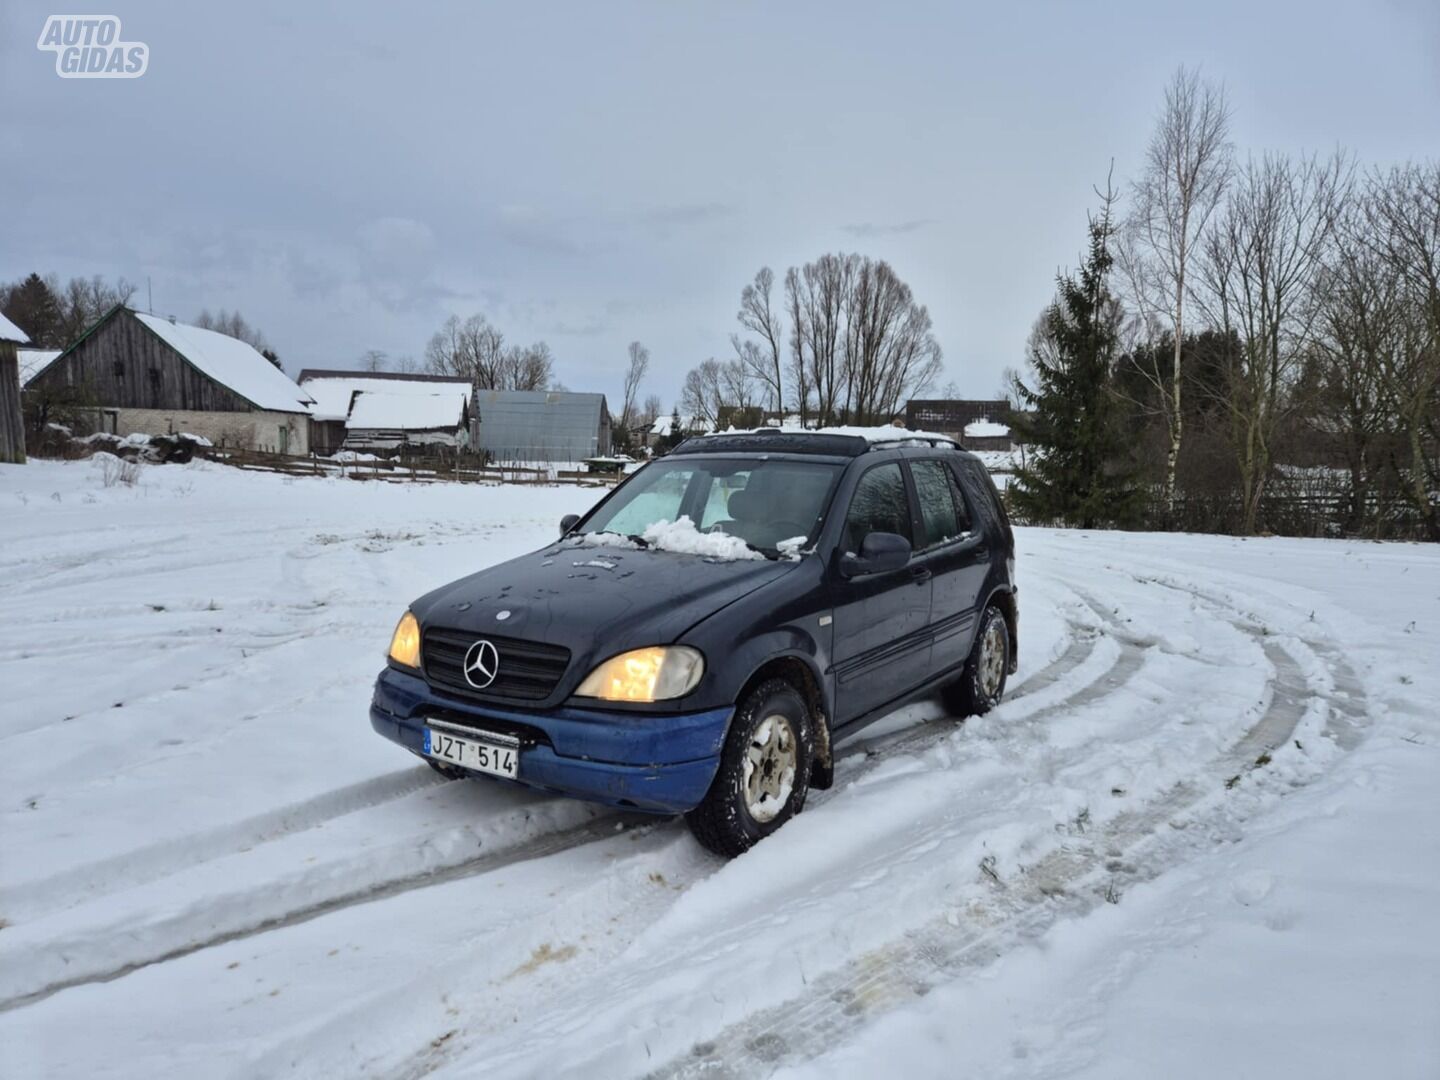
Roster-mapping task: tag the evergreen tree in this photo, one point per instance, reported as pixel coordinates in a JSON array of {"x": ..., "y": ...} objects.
[
  {"x": 1077, "y": 474},
  {"x": 33, "y": 306}
]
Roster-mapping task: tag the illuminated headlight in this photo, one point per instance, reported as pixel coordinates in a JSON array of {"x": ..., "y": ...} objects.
[
  {"x": 405, "y": 643},
  {"x": 654, "y": 674}
]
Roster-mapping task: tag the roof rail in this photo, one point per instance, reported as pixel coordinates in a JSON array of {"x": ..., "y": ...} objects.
[{"x": 916, "y": 437}]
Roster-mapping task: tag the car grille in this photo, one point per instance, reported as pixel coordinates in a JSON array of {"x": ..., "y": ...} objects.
[{"x": 528, "y": 671}]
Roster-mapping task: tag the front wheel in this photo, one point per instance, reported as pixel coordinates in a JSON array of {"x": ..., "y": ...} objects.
[
  {"x": 764, "y": 772},
  {"x": 981, "y": 684}
]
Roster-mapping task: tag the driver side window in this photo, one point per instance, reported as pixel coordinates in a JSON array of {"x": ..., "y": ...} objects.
[{"x": 879, "y": 504}]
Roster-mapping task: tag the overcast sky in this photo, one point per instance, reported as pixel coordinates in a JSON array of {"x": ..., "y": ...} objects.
[{"x": 592, "y": 173}]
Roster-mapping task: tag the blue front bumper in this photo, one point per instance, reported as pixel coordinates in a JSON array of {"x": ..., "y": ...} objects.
[{"x": 660, "y": 763}]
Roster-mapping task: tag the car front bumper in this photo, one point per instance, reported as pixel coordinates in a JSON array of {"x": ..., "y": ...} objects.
[{"x": 661, "y": 763}]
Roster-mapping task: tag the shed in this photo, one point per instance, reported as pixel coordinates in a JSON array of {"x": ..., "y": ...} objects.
[
  {"x": 334, "y": 391},
  {"x": 391, "y": 421},
  {"x": 542, "y": 426},
  {"x": 143, "y": 374},
  {"x": 12, "y": 421}
]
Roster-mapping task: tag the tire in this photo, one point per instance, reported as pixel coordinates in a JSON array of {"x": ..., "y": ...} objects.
[
  {"x": 772, "y": 724},
  {"x": 981, "y": 684}
]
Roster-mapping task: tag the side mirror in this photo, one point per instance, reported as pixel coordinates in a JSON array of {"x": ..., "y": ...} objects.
[
  {"x": 880, "y": 553},
  {"x": 568, "y": 522}
]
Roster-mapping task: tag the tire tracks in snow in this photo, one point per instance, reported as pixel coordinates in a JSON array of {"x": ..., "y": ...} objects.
[
  {"x": 1069, "y": 882},
  {"x": 547, "y": 844},
  {"x": 168, "y": 857}
]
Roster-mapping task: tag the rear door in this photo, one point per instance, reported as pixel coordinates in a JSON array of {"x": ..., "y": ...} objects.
[
  {"x": 957, "y": 555},
  {"x": 881, "y": 646}
]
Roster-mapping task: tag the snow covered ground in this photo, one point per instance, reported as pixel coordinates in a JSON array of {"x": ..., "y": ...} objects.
[{"x": 1201, "y": 837}]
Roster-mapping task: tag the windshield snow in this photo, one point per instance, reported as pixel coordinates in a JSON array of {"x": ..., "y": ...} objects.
[{"x": 724, "y": 508}]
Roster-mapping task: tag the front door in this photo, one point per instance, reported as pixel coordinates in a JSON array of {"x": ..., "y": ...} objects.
[{"x": 881, "y": 647}]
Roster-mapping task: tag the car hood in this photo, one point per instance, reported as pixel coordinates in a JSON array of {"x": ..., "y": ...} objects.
[{"x": 594, "y": 600}]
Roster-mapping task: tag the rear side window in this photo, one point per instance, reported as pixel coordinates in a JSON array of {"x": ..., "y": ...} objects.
[
  {"x": 981, "y": 489},
  {"x": 878, "y": 505},
  {"x": 934, "y": 486}
]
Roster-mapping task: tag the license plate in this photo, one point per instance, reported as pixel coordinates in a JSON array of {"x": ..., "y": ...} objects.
[{"x": 469, "y": 752}]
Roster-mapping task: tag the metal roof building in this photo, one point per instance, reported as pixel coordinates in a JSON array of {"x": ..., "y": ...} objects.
[{"x": 541, "y": 426}]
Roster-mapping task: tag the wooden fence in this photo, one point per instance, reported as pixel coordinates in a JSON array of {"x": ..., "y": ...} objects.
[{"x": 410, "y": 470}]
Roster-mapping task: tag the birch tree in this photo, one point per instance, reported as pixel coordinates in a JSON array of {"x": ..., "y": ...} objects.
[{"x": 1187, "y": 167}]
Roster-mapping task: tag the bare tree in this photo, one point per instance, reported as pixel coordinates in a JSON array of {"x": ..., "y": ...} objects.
[
  {"x": 762, "y": 360},
  {"x": 528, "y": 367},
  {"x": 232, "y": 324},
  {"x": 406, "y": 365},
  {"x": 891, "y": 353},
  {"x": 651, "y": 410},
  {"x": 702, "y": 396},
  {"x": 476, "y": 350},
  {"x": 1187, "y": 167},
  {"x": 1360, "y": 330},
  {"x": 373, "y": 360},
  {"x": 1403, "y": 212},
  {"x": 634, "y": 373},
  {"x": 1261, "y": 268}
]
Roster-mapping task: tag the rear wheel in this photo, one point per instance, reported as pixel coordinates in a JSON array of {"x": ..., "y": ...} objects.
[
  {"x": 764, "y": 772},
  {"x": 981, "y": 684}
]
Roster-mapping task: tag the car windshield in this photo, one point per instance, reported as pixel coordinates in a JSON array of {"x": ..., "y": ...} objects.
[{"x": 763, "y": 502}]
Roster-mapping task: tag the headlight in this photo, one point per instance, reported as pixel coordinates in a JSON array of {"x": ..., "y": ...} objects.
[
  {"x": 405, "y": 644},
  {"x": 654, "y": 674}
]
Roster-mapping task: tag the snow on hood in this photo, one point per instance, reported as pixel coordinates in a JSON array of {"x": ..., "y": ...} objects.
[{"x": 680, "y": 537}]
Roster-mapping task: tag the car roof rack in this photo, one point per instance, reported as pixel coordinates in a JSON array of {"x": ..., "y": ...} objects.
[{"x": 829, "y": 443}]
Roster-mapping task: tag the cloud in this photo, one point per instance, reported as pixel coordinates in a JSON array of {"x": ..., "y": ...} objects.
[{"x": 870, "y": 229}]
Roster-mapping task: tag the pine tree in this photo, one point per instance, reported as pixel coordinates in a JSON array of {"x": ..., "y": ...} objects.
[
  {"x": 33, "y": 307},
  {"x": 1078, "y": 473}
]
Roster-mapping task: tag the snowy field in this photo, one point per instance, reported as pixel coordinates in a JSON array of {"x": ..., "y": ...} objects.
[{"x": 1201, "y": 837}]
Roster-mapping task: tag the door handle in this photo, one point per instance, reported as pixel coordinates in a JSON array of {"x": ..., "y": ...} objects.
[{"x": 920, "y": 574}]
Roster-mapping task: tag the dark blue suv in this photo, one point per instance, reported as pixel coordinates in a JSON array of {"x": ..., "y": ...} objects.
[{"x": 699, "y": 641}]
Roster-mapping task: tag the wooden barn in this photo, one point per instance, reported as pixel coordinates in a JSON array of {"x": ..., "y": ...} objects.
[
  {"x": 12, "y": 422},
  {"x": 150, "y": 375}
]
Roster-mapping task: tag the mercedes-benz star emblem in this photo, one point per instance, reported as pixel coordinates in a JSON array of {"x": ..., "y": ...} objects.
[{"x": 482, "y": 664}]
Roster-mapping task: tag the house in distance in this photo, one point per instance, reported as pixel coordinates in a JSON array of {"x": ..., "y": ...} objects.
[
  {"x": 975, "y": 425},
  {"x": 145, "y": 374}
]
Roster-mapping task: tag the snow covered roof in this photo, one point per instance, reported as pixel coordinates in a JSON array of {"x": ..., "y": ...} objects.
[
  {"x": 34, "y": 361},
  {"x": 377, "y": 410},
  {"x": 986, "y": 429},
  {"x": 232, "y": 363},
  {"x": 10, "y": 332},
  {"x": 332, "y": 393}
]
